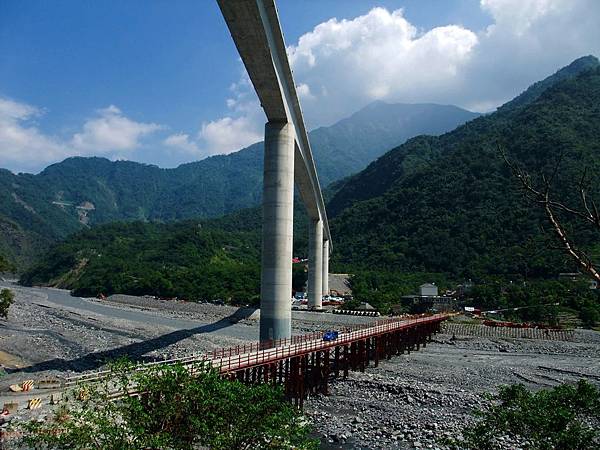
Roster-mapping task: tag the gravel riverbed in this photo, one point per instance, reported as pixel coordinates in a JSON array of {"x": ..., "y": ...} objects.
[{"x": 416, "y": 400}]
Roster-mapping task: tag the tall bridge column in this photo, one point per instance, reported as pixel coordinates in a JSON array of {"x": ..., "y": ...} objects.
[
  {"x": 315, "y": 264},
  {"x": 277, "y": 232},
  {"x": 326, "y": 267}
]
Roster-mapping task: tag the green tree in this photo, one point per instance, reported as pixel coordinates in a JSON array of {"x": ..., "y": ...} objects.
[
  {"x": 179, "y": 408},
  {"x": 561, "y": 418},
  {"x": 6, "y": 299},
  {"x": 4, "y": 264}
]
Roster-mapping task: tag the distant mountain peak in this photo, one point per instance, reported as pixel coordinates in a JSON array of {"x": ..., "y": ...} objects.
[
  {"x": 583, "y": 63},
  {"x": 534, "y": 91}
]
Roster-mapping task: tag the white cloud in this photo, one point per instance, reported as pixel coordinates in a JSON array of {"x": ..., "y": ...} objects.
[
  {"x": 380, "y": 55},
  {"x": 182, "y": 142},
  {"x": 222, "y": 136},
  {"x": 517, "y": 16},
  {"x": 243, "y": 126},
  {"x": 229, "y": 134},
  {"x": 23, "y": 146},
  {"x": 344, "y": 64},
  {"x": 304, "y": 92},
  {"x": 111, "y": 131},
  {"x": 528, "y": 41}
]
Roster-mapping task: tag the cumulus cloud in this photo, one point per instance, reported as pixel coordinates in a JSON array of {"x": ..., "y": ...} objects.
[
  {"x": 518, "y": 16},
  {"x": 23, "y": 146},
  {"x": 182, "y": 142},
  {"x": 112, "y": 132},
  {"x": 222, "y": 136},
  {"x": 243, "y": 126},
  {"x": 343, "y": 64},
  {"x": 527, "y": 41},
  {"x": 229, "y": 134}
]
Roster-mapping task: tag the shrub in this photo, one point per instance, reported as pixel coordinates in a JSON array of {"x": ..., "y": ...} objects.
[
  {"x": 564, "y": 418},
  {"x": 6, "y": 299},
  {"x": 177, "y": 410}
]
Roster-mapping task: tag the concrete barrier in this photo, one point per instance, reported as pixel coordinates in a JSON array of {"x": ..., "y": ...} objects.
[{"x": 351, "y": 312}]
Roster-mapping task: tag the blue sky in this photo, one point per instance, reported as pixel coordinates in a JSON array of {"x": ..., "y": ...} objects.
[{"x": 161, "y": 82}]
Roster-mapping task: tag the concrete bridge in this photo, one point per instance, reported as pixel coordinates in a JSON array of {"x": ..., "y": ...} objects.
[{"x": 255, "y": 28}]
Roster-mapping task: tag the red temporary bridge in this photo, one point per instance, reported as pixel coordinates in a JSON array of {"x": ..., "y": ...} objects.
[{"x": 305, "y": 364}]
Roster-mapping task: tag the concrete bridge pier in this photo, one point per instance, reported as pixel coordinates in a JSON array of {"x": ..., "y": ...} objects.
[
  {"x": 326, "y": 267},
  {"x": 277, "y": 232},
  {"x": 315, "y": 264}
]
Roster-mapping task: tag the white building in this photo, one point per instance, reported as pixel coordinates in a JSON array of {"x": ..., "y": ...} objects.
[{"x": 428, "y": 290}]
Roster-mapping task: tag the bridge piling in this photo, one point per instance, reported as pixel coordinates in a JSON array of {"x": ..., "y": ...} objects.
[{"x": 277, "y": 232}]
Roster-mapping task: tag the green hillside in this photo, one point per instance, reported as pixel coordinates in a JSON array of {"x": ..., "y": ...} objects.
[
  {"x": 36, "y": 210},
  {"x": 192, "y": 260},
  {"x": 450, "y": 204}
]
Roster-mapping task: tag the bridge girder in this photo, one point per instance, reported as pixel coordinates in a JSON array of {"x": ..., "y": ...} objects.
[{"x": 255, "y": 29}]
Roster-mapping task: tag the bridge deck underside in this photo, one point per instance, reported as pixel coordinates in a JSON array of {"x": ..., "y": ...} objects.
[{"x": 254, "y": 27}]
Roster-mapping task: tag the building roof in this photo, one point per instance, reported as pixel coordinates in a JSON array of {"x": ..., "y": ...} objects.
[
  {"x": 365, "y": 307},
  {"x": 340, "y": 282}
]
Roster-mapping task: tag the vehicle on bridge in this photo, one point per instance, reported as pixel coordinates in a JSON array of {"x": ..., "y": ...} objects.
[{"x": 330, "y": 335}]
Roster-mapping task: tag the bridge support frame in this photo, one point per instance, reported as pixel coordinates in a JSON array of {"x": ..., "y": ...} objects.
[
  {"x": 309, "y": 373},
  {"x": 277, "y": 232},
  {"x": 315, "y": 264}
]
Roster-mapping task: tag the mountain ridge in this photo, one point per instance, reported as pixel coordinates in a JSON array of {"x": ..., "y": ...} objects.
[
  {"x": 94, "y": 190},
  {"x": 371, "y": 182},
  {"x": 461, "y": 211}
]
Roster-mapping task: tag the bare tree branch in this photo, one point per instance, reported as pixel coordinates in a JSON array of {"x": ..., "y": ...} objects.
[
  {"x": 542, "y": 197},
  {"x": 580, "y": 258}
]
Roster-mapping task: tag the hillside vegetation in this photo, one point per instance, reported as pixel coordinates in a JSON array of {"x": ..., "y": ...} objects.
[
  {"x": 450, "y": 203},
  {"x": 441, "y": 209},
  {"x": 36, "y": 210},
  {"x": 191, "y": 260}
]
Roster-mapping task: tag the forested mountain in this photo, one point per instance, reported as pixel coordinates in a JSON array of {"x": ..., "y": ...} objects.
[
  {"x": 433, "y": 209},
  {"x": 38, "y": 209},
  {"x": 450, "y": 203},
  {"x": 192, "y": 260}
]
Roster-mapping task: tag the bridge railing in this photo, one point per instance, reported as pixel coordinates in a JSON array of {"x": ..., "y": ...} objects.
[
  {"x": 316, "y": 335},
  {"x": 312, "y": 342}
]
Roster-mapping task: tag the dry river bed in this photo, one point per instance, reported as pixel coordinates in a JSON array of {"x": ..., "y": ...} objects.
[{"x": 411, "y": 401}]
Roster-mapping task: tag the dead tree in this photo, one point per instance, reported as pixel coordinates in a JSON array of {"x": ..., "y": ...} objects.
[{"x": 540, "y": 194}]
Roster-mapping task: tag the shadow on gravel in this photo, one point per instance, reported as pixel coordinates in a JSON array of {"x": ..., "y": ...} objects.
[{"x": 137, "y": 351}]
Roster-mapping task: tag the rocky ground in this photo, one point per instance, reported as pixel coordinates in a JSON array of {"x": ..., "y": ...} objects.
[
  {"x": 412, "y": 401},
  {"x": 50, "y": 333},
  {"x": 423, "y": 399}
]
